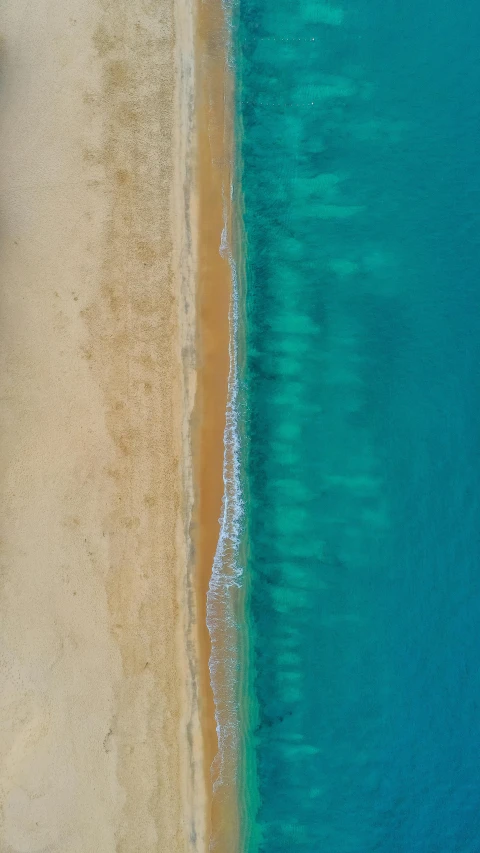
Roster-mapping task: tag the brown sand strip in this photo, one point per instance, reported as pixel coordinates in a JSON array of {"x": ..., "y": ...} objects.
[{"x": 215, "y": 143}]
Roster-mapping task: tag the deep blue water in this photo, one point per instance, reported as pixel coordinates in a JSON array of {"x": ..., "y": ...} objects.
[{"x": 362, "y": 388}]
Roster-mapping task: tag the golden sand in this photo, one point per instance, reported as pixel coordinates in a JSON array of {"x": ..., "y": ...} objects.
[{"x": 100, "y": 742}]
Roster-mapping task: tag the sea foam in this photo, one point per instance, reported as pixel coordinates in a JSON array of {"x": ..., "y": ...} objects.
[{"x": 227, "y": 571}]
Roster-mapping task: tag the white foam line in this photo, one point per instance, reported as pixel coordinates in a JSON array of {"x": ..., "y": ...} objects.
[{"x": 226, "y": 570}]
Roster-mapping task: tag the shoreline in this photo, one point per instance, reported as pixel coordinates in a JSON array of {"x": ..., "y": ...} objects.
[{"x": 214, "y": 107}]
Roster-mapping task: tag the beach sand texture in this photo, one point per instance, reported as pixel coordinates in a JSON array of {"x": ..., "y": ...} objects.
[
  {"x": 100, "y": 741},
  {"x": 214, "y": 137}
]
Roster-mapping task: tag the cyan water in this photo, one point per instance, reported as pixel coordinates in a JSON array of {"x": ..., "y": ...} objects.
[{"x": 359, "y": 146}]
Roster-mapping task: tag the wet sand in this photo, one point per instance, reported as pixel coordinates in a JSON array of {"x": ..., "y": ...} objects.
[
  {"x": 101, "y": 747},
  {"x": 215, "y": 159}
]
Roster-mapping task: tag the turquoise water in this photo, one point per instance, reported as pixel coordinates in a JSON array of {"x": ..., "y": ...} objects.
[{"x": 358, "y": 129}]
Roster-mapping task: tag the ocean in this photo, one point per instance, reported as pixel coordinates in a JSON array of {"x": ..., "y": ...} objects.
[{"x": 355, "y": 427}]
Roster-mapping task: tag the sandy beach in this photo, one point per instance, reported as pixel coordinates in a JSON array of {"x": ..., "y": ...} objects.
[{"x": 101, "y": 746}]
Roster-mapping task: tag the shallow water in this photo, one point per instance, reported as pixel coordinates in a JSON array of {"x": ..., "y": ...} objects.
[{"x": 358, "y": 127}]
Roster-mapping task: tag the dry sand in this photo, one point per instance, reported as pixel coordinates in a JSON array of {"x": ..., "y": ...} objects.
[{"x": 100, "y": 743}]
